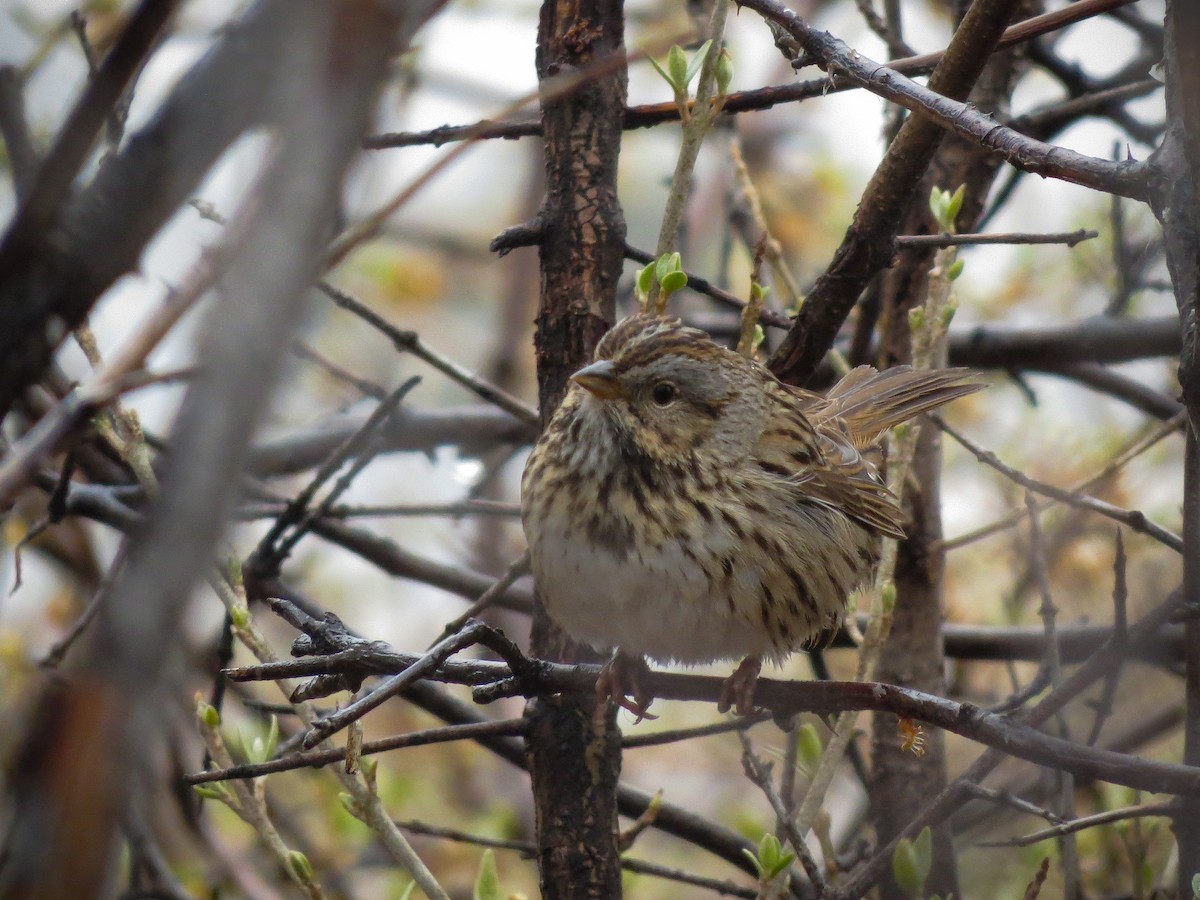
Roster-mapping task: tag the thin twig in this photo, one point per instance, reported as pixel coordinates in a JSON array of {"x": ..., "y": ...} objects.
[
  {"x": 760, "y": 774},
  {"x": 474, "y": 633},
  {"x": 316, "y": 758},
  {"x": 703, "y": 286},
  {"x": 410, "y": 342},
  {"x": 1139, "y": 445},
  {"x": 1161, "y": 808},
  {"x": 1070, "y": 238},
  {"x": 277, "y": 543},
  {"x": 1120, "y": 595},
  {"x": 1053, "y": 667},
  {"x": 1134, "y": 519},
  {"x": 1005, "y": 798},
  {"x": 703, "y": 113},
  {"x": 489, "y": 597},
  {"x": 658, "y": 738}
]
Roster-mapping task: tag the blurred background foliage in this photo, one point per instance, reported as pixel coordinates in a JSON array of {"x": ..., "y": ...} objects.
[{"x": 430, "y": 271}]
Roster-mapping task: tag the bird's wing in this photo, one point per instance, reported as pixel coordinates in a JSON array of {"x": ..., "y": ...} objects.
[{"x": 824, "y": 467}]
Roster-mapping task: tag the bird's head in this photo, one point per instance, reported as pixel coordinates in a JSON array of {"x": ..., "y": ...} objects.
[{"x": 666, "y": 391}]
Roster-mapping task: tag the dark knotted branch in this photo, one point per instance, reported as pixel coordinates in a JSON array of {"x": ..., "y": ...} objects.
[
  {"x": 1125, "y": 179},
  {"x": 631, "y": 802},
  {"x": 493, "y": 680}
]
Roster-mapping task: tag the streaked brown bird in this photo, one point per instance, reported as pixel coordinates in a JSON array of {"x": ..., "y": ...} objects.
[{"x": 685, "y": 505}]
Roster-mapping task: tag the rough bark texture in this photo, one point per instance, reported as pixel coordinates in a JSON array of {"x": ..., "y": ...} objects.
[
  {"x": 914, "y": 655},
  {"x": 1179, "y": 209},
  {"x": 574, "y": 753}
]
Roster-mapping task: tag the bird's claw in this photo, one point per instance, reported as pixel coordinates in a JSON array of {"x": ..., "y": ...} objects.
[
  {"x": 620, "y": 680},
  {"x": 738, "y": 689}
]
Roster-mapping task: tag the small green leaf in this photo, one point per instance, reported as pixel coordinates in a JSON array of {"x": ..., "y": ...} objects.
[
  {"x": 809, "y": 745},
  {"x": 954, "y": 204},
  {"x": 350, "y": 804},
  {"x": 697, "y": 61},
  {"x": 209, "y": 715},
  {"x": 239, "y": 617},
  {"x": 272, "y": 740},
  {"x": 672, "y": 282},
  {"x": 1196, "y": 886},
  {"x": 771, "y": 857},
  {"x": 487, "y": 882},
  {"x": 666, "y": 264},
  {"x": 724, "y": 73},
  {"x": 757, "y": 338},
  {"x": 645, "y": 281},
  {"x": 235, "y": 572},
  {"x": 887, "y": 596},
  {"x": 677, "y": 65},
  {"x": 663, "y": 72},
  {"x": 916, "y": 318},
  {"x": 904, "y": 868},
  {"x": 937, "y": 204},
  {"x": 948, "y": 314},
  {"x": 370, "y": 769},
  {"x": 923, "y": 846},
  {"x": 299, "y": 864},
  {"x": 212, "y": 791},
  {"x": 956, "y": 269},
  {"x": 758, "y": 866}
]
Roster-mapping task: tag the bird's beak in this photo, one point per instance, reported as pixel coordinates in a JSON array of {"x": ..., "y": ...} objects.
[{"x": 600, "y": 379}]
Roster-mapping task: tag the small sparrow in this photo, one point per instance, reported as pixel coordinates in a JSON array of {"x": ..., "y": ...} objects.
[{"x": 685, "y": 505}]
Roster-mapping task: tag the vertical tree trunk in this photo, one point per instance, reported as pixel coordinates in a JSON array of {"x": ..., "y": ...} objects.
[
  {"x": 575, "y": 754},
  {"x": 1179, "y": 209}
]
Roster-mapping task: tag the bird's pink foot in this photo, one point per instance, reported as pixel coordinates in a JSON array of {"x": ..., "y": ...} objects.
[
  {"x": 738, "y": 689},
  {"x": 620, "y": 680}
]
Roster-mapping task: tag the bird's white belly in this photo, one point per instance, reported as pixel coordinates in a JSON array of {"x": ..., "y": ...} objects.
[{"x": 656, "y": 603}]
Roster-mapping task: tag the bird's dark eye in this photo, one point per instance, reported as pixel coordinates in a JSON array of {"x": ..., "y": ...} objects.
[{"x": 664, "y": 392}]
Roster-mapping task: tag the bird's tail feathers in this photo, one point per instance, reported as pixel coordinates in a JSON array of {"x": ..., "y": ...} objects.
[{"x": 870, "y": 402}]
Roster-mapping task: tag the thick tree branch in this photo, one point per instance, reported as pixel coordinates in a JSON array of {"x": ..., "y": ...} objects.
[
  {"x": 866, "y": 247},
  {"x": 494, "y": 680}
]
